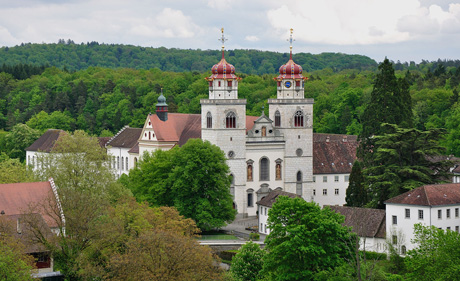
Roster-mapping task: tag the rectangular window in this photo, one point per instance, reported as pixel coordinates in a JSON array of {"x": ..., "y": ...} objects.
[
  {"x": 394, "y": 239},
  {"x": 347, "y": 178},
  {"x": 314, "y": 179},
  {"x": 122, "y": 162},
  {"x": 314, "y": 192},
  {"x": 448, "y": 213},
  {"x": 420, "y": 214},
  {"x": 456, "y": 228},
  {"x": 336, "y": 191},
  {"x": 448, "y": 228},
  {"x": 261, "y": 227},
  {"x": 336, "y": 178},
  {"x": 126, "y": 164},
  {"x": 456, "y": 212},
  {"x": 439, "y": 214},
  {"x": 407, "y": 211},
  {"x": 324, "y": 178},
  {"x": 297, "y": 83},
  {"x": 395, "y": 220},
  {"x": 324, "y": 191},
  {"x": 229, "y": 84}
]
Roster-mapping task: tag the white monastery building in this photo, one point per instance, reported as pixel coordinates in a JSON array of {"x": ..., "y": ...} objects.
[
  {"x": 265, "y": 153},
  {"x": 430, "y": 205}
]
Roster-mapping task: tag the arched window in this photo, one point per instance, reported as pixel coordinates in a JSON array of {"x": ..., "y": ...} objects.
[
  {"x": 135, "y": 161},
  {"x": 299, "y": 183},
  {"x": 277, "y": 119},
  {"x": 118, "y": 162},
  {"x": 403, "y": 250},
  {"x": 126, "y": 164},
  {"x": 232, "y": 185},
  {"x": 122, "y": 162},
  {"x": 208, "y": 120},
  {"x": 230, "y": 120},
  {"x": 250, "y": 197},
  {"x": 264, "y": 170},
  {"x": 298, "y": 119}
]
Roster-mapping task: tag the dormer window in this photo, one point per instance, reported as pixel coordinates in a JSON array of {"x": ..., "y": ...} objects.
[{"x": 264, "y": 131}]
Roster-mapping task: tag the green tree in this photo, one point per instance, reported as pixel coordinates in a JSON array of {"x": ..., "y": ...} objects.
[
  {"x": 14, "y": 264},
  {"x": 86, "y": 187},
  {"x": 356, "y": 191},
  {"x": 437, "y": 256},
  {"x": 20, "y": 137},
  {"x": 390, "y": 102},
  {"x": 405, "y": 159},
  {"x": 247, "y": 264},
  {"x": 193, "y": 178},
  {"x": 13, "y": 171},
  {"x": 304, "y": 240}
]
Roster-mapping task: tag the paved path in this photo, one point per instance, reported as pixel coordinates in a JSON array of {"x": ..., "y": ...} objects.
[{"x": 238, "y": 227}]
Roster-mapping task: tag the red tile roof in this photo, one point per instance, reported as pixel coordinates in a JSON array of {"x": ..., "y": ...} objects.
[
  {"x": 250, "y": 122},
  {"x": 365, "y": 222},
  {"x": 47, "y": 141},
  {"x": 429, "y": 195},
  {"x": 178, "y": 128},
  {"x": 333, "y": 154},
  {"x": 19, "y": 198}
]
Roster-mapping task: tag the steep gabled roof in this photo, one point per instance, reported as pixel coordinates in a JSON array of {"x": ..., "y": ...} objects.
[
  {"x": 47, "y": 141},
  {"x": 18, "y": 198},
  {"x": 178, "y": 128},
  {"x": 271, "y": 198},
  {"x": 127, "y": 137},
  {"x": 365, "y": 222},
  {"x": 333, "y": 154},
  {"x": 250, "y": 122},
  {"x": 429, "y": 195}
]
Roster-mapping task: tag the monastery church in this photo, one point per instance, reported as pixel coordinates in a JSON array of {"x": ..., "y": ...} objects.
[{"x": 265, "y": 153}]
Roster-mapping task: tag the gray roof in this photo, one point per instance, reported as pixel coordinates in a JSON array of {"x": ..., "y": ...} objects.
[
  {"x": 365, "y": 222},
  {"x": 271, "y": 198}
]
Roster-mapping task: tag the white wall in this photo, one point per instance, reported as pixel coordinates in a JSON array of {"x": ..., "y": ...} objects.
[
  {"x": 330, "y": 186},
  {"x": 263, "y": 217}
]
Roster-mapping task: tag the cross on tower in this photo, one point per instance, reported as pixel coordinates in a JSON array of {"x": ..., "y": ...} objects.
[
  {"x": 290, "y": 42},
  {"x": 222, "y": 39}
]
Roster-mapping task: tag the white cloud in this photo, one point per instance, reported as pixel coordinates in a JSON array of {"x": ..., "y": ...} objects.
[
  {"x": 251, "y": 38},
  {"x": 344, "y": 22},
  {"x": 220, "y": 5}
]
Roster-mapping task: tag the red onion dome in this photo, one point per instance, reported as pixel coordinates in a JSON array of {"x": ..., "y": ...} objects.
[
  {"x": 223, "y": 70},
  {"x": 291, "y": 70}
]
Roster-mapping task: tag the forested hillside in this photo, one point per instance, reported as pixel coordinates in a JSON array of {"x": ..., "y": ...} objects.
[
  {"x": 71, "y": 56},
  {"x": 96, "y": 99}
]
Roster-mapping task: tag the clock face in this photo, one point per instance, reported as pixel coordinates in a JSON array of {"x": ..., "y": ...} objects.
[{"x": 287, "y": 84}]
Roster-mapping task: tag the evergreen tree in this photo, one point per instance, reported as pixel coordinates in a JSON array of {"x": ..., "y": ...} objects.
[
  {"x": 390, "y": 103},
  {"x": 356, "y": 192}
]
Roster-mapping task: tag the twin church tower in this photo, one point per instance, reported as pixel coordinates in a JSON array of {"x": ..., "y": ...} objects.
[{"x": 267, "y": 152}]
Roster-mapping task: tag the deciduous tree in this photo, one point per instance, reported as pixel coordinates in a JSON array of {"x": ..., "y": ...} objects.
[
  {"x": 304, "y": 240},
  {"x": 247, "y": 264}
]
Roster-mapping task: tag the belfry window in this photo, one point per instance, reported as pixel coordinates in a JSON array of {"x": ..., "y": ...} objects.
[
  {"x": 230, "y": 120},
  {"x": 264, "y": 170},
  {"x": 298, "y": 119},
  {"x": 208, "y": 120},
  {"x": 277, "y": 119}
]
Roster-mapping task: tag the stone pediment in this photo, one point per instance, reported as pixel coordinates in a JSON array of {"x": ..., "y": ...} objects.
[{"x": 263, "y": 127}]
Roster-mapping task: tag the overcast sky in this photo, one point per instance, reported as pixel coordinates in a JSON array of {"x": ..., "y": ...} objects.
[{"x": 405, "y": 30}]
